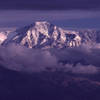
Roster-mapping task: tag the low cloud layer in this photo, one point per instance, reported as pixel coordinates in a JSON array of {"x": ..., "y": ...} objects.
[
  {"x": 23, "y": 59},
  {"x": 81, "y": 69},
  {"x": 84, "y": 59}
]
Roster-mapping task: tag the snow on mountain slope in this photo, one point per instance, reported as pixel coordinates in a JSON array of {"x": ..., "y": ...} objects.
[
  {"x": 4, "y": 32},
  {"x": 46, "y": 35},
  {"x": 2, "y": 37}
]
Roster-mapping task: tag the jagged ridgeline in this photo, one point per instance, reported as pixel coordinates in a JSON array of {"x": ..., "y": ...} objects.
[{"x": 46, "y": 35}]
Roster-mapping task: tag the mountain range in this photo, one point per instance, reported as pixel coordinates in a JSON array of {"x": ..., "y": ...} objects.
[{"x": 45, "y": 35}]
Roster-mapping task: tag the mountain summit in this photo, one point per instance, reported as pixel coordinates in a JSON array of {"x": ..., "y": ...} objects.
[{"x": 46, "y": 35}]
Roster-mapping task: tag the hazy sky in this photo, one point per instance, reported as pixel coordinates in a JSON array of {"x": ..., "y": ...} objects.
[
  {"x": 50, "y": 4},
  {"x": 64, "y": 18},
  {"x": 64, "y": 13}
]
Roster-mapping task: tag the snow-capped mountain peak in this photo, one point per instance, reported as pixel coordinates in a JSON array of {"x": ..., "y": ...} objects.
[{"x": 45, "y": 35}]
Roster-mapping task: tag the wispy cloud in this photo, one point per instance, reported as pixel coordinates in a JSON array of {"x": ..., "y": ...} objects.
[{"x": 84, "y": 60}]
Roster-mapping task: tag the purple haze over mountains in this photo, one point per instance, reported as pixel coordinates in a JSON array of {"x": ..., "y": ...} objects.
[{"x": 63, "y": 18}]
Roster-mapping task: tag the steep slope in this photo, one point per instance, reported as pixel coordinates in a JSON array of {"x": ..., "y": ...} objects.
[
  {"x": 43, "y": 35},
  {"x": 46, "y": 35},
  {"x": 4, "y": 34}
]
